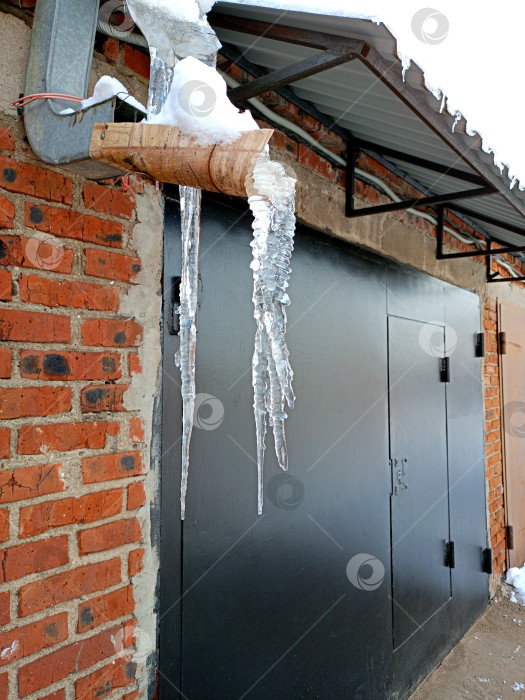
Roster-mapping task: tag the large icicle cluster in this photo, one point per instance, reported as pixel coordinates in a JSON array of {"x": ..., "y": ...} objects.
[
  {"x": 272, "y": 201},
  {"x": 178, "y": 30}
]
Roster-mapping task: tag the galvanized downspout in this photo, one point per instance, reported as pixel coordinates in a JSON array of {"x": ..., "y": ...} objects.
[{"x": 60, "y": 60}]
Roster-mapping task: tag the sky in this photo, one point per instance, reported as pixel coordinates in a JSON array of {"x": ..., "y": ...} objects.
[{"x": 471, "y": 51}]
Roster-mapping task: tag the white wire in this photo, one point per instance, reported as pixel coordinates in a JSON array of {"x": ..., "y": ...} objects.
[{"x": 290, "y": 126}]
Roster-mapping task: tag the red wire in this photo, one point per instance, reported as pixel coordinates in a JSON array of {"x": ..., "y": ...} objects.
[
  {"x": 126, "y": 186},
  {"x": 27, "y": 99}
]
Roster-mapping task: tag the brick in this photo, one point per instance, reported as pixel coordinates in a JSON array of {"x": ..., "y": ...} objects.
[
  {"x": 33, "y": 557},
  {"x": 68, "y": 585},
  {"x": 30, "y": 482},
  {"x": 134, "y": 695},
  {"x": 108, "y": 200},
  {"x": 7, "y": 213},
  {"x": 34, "y": 520},
  {"x": 135, "y": 562},
  {"x": 78, "y": 295},
  {"x": 70, "y": 224},
  {"x": 28, "y": 402},
  {"x": 113, "y": 466},
  {"x": 4, "y": 686},
  {"x": 35, "y": 181},
  {"x": 5, "y": 439},
  {"x": 136, "y": 430},
  {"x": 283, "y": 143},
  {"x": 314, "y": 162},
  {"x": 4, "y": 525},
  {"x": 109, "y": 333},
  {"x": 109, "y": 536},
  {"x": 57, "y": 695},
  {"x": 6, "y": 286},
  {"x": 137, "y": 61},
  {"x": 111, "y": 266},
  {"x": 110, "y": 49},
  {"x": 136, "y": 495},
  {"x": 34, "y": 327},
  {"x": 105, "y": 397},
  {"x": 69, "y": 659},
  {"x": 64, "y": 437},
  {"x": 5, "y": 608},
  {"x": 69, "y": 366},
  {"x": 30, "y": 639},
  {"x": 109, "y": 606},
  {"x": 6, "y": 357},
  {"x": 135, "y": 366},
  {"x": 35, "y": 253},
  {"x": 7, "y": 140},
  {"x": 107, "y": 679}
]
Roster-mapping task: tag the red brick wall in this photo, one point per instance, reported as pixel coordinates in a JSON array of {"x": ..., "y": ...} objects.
[
  {"x": 493, "y": 439},
  {"x": 72, "y": 464}
]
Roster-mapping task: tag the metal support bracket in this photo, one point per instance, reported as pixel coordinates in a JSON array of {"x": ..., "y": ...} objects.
[
  {"x": 495, "y": 276},
  {"x": 291, "y": 74},
  {"x": 487, "y": 253},
  {"x": 354, "y": 145}
]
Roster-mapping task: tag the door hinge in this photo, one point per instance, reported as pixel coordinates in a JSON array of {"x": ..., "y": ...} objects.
[
  {"x": 510, "y": 536},
  {"x": 486, "y": 563},
  {"x": 450, "y": 554},
  {"x": 480, "y": 344},
  {"x": 444, "y": 369},
  {"x": 173, "y": 306},
  {"x": 502, "y": 343}
]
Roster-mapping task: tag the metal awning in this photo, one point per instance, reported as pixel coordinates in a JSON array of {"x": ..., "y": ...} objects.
[{"x": 366, "y": 96}]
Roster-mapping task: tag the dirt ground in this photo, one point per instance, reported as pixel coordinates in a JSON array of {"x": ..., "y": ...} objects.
[{"x": 488, "y": 663}]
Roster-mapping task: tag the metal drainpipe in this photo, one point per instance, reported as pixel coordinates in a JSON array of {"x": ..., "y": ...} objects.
[{"x": 60, "y": 59}]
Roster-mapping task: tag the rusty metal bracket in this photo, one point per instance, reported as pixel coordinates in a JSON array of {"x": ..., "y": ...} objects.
[{"x": 291, "y": 74}]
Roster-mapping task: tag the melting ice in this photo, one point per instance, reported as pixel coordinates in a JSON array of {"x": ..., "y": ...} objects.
[
  {"x": 272, "y": 201},
  {"x": 183, "y": 50}
]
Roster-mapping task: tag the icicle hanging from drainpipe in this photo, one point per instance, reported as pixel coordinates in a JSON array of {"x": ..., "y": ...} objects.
[{"x": 171, "y": 37}]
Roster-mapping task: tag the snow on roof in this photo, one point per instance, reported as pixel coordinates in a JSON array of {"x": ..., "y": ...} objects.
[{"x": 469, "y": 52}]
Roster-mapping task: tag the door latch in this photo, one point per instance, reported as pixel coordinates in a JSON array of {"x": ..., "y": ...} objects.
[
  {"x": 400, "y": 474},
  {"x": 444, "y": 369},
  {"x": 510, "y": 536}
]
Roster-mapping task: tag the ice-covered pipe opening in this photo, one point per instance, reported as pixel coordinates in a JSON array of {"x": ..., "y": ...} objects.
[{"x": 196, "y": 138}]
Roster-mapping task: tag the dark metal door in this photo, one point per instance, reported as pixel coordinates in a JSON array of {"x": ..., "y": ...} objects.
[
  {"x": 512, "y": 323},
  {"x": 267, "y": 608},
  {"x": 298, "y": 603},
  {"x": 418, "y": 449}
]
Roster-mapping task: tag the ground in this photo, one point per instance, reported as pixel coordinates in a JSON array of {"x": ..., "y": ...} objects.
[{"x": 489, "y": 662}]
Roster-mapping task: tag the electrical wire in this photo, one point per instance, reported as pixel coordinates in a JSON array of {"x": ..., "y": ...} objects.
[
  {"x": 27, "y": 99},
  {"x": 129, "y": 37}
]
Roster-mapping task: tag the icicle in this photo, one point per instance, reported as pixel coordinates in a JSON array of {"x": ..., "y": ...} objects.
[
  {"x": 272, "y": 200},
  {"x": 190, "y": 208},
  {"x": 174, "y": 31}
]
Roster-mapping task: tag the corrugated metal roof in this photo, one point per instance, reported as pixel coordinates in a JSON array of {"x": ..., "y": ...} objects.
[{"x": 360, "y": 102}]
